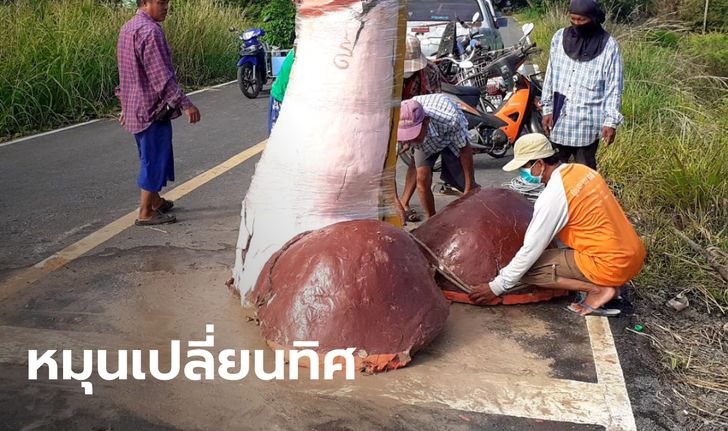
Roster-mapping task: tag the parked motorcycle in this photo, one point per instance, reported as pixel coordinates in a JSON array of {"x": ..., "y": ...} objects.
[
  {"x": 494, "y": 129},
  {"x": 255, "y": 64},
  {"x": 453, "y": 49}
]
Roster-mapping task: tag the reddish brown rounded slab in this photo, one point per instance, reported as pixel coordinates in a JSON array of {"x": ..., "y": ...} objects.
[
  {"x": 476, "y": 236},
  {"x": 362, "y": 284}
]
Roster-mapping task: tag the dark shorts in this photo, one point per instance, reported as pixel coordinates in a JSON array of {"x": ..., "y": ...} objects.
[
  {"x": 156, "y": 159},
  {"x": 452, "y": 170},
  {"x": 582, "y": 155}
]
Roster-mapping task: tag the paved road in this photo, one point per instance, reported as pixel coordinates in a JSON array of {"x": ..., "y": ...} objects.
[
  {"x": 60, "y": 187},
  {"x": 146, "y": 286}
]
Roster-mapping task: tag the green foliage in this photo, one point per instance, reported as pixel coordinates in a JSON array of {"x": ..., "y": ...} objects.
[
  {"x": 667, "y": 39},
  {"x": 58, "y": 58},
  {"x": 692, "y": 11},
  {"x": 620, "y": 9},
  {"x": 712, "y": 50},
  {"x": 281, "y": 29}
]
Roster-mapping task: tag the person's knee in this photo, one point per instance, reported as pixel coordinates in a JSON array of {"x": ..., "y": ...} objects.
[{"x": 424, "y": 178}]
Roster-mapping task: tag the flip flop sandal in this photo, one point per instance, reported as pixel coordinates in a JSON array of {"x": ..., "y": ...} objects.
[
  {"x": 412, "y": 216},
  {"x": 156, "y": 219},
  {"x": 166, "y": 206},
  {"x": 605, "y": 312}
]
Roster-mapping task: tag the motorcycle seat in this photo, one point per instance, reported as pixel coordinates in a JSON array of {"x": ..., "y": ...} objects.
[{"x": 460, "y": 90}]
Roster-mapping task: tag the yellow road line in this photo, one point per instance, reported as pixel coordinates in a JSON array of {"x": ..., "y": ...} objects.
[{"x": 34, "y": 273}]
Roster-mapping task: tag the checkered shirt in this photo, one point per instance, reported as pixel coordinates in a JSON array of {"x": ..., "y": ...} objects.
[
  {"x": 593, "y": 91},
  {"x": 448, "y": 126},
  {"x": 147, "y": 80}
]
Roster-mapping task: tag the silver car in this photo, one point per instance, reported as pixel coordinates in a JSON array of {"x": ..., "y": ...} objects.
[{"x": 427, "y": 20}]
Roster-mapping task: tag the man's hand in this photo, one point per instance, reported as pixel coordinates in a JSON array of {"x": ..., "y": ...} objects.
[
  {"x": 548, "y": 124},
  {"x": 193, "y": 114},
  {"x": 608, "y": 134},
  {"x": 122, "y": 119},
  {"x": 482, "y": 294}
]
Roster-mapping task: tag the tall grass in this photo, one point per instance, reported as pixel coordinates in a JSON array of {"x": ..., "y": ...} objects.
[
  {"x": 669, "y": 165},
  {"x": 58, "y": 58}
]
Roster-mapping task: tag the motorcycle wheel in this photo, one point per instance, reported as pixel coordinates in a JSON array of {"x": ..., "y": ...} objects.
[
  {"x": 249, "y": 84},
  {"x": 486, "y": 106},
  {"x": 408, "y": 160},
  {"x": 499, "y": 153}
]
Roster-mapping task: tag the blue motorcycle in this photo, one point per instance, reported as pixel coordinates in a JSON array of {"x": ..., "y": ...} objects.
[{"x": 254, "y": 65}]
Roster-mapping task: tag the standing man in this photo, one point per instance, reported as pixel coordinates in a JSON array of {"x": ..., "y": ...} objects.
[
  {"x": 435, "y": 127},
  {"x": 603, "y": 250},
  {"x": 582, "y": 92},
  {"x": 150, "y": 99}
]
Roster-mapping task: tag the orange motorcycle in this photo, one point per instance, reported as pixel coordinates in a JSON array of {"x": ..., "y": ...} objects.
[{"x": 494, "y": 129}]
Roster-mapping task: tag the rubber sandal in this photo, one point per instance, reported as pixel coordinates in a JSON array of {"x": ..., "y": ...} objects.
[
  {"x": 444, "y": 189},
  {"x": 165, "y": 207},
  {"x": 603, "y": 312},
  {"x": 412, "y": 216},
  {"x": 156, "y": 219}
]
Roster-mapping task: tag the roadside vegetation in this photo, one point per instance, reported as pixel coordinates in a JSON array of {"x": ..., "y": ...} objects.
[
  {"x": 58, "y": 57},
  {"x": 669, "y": 168}
]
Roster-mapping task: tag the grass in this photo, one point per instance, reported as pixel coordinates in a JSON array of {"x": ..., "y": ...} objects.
[
  {"x": 669, "y": 169},
  {"x": 58, "y": 58}
]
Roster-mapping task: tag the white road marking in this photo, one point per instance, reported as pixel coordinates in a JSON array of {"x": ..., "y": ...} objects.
[
  {"x": 51, "y": 132},
  {"x": 610, "y": 375},
  {"x": 214, "y": 87},
  {"x": 605, "y": 403},
  {"x": 30, "y": 275}
]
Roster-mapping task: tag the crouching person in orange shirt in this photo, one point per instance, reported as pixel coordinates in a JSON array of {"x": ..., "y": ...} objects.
[{"x": 576, "y": 207}]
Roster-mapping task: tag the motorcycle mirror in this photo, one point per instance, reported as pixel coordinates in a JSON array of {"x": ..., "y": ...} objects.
[
  {"x": 527, "y": 29},
  {"x": 476, "y": 17}
]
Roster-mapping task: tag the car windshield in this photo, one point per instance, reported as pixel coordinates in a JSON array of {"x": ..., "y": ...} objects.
[{"x": 431, "y": 10}]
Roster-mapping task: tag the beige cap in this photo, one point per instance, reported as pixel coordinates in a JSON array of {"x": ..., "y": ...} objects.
[
  {"x": 533, "y": 146},
  {"x": 414, "y": 60}
]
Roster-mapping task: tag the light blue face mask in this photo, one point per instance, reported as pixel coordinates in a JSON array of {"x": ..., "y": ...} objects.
[{"x": 526, "y": 175}]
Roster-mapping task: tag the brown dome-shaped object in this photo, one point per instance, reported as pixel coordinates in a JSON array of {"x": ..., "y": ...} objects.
[
  {"x": 477, "y": 235},
  {"x": 362, "y": 284}
]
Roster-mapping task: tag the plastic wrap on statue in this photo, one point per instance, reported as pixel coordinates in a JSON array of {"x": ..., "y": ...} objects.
[
  {"x": 362, "y": 284},
  {"x": 476, "y": 236},
  {"x": 330, "y": 157}
]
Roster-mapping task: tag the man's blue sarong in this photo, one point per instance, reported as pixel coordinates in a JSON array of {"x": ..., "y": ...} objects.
[{"x": 156, "y": 159}]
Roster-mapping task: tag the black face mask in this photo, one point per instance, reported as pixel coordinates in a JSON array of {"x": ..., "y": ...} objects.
[
  {"x": 585, "y": 42},
  {"x": 586, "y": 30}
]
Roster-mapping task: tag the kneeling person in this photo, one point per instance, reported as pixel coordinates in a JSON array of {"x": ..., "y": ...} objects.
[
  {"x": 604, "y": 251},
  {"x": 435, "y": 127}
]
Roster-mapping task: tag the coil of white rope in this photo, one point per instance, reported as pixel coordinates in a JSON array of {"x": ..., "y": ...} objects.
[{"x": 530, "y": 190}]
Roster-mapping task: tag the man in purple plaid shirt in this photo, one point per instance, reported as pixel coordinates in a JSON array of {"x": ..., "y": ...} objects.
[{"x": 150, "y": 99}]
